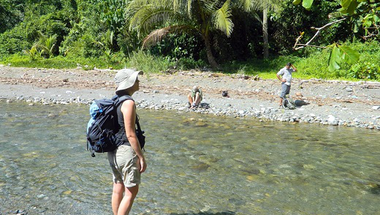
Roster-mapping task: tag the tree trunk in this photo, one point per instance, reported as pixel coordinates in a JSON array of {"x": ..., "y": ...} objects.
[
  {"x": 265, "y": 31},
  {"x": 210, "y": 56}
]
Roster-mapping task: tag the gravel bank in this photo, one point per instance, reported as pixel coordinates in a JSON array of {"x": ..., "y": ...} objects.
[{"x": 334, "y": 103}]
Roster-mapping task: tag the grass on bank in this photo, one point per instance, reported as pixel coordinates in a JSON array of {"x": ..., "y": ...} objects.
[
  {"x": 58, "y": 62},
  {"x": 315, "y": 65},
  {"x": 312, "y": 66}
]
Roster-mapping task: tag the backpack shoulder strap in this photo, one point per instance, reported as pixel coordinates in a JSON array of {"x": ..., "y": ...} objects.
[
  {"x": 138, "y": 123},
  {"x": 120, "y": 99}
]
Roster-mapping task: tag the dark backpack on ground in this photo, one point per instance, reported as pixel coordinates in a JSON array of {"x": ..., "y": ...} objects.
[
  {"x": 288, "y": 104},
  {"x": 103, "y": 126}
]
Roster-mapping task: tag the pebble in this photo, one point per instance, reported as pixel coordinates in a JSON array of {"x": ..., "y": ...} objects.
[
  {"x": 41, "y": 196},
  {"x": 20, "y": 212},
  {"x": 263, "y": 113}
]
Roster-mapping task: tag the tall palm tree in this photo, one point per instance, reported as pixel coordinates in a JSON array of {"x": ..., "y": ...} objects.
[
  {"x": 265, "y": 6},
  {"x": 161, "y": 17}
]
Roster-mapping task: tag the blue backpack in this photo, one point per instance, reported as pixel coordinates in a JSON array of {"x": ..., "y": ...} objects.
[{"x": 103, "y": 126}]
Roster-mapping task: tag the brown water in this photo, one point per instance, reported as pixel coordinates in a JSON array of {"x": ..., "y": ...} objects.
[{"x": 197, "y": 164}]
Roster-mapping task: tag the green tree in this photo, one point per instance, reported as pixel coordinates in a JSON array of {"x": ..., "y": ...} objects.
[
  {"x": 291, "y": 20},
  {"x": 265, "y": 6},
  {"x": 358, "y": 12},
  {"x": 11, "y": 12},
  {"x": 99, "y": 29},
  {"x": 162, "y": 17},
  {"x": 113, "y": 21}
]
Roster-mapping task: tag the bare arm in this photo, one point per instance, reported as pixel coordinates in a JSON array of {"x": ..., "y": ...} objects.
[
  {"x": 294, "y": 68},
  {"x": 279, "y": 78},
  {"x": 129, "y": 115}
]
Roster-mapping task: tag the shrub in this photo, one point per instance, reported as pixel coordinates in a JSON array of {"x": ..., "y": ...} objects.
[
  {"x": 145, "y": 61},
  {"x": 189, "y": 63},
  {"x": 315, "y": 65},
  {"x": 179, "y": 46},
  {"x": 368, "y": 65},
  {"x": 364, "y": 70},
  {"x": 14, "y": 41}
]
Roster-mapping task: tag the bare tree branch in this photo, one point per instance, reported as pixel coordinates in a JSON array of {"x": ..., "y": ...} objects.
[
  {"x": 370, "y": 36},
  {"x": 374, "y": 33},
  {"x": 322, "y": 47},
  {"x": 298, "y": 46}
]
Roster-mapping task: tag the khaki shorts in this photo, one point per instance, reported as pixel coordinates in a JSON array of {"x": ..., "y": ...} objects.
[{"x": 125, "y": 166}]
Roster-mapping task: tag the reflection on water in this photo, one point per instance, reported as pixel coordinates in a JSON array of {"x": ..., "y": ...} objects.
[{"x": 197, "y": 164}]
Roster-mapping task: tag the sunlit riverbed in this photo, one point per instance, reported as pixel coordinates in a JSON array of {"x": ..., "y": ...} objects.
[{"x": 197, "y": 164}]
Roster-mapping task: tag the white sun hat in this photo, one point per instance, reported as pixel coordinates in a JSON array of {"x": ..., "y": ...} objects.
[{"x": 126, "y": 78}]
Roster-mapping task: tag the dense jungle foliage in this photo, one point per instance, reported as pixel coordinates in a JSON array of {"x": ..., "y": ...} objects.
[{"x": 231, "y": 36}]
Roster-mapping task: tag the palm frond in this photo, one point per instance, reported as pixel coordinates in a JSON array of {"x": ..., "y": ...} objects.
[
  {"x": 156, "y": 13},
  {"x": 222, "y": 18},
  {"x": 137, "y": 5},
  {"x": 258, "y": 17},
  {"x": 149, "y": 17},
  {"x": 177, "y": 5},
  {"x": 210, "y": 6},
  {"x": 157, "y": 35},
  {"x": 134, "y": 6},
  {"x": 247, "y": 5},
  {"x": 274, "y": 5}
]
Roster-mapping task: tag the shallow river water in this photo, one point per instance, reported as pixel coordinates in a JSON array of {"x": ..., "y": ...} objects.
[{"x": 197, "y": 164}]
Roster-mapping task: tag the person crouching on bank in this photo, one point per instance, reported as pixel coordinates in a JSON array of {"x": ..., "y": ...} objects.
[{"x": 195, "y": 97}]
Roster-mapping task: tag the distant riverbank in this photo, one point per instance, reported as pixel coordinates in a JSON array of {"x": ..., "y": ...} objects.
[{"x": 335, "y": 103}]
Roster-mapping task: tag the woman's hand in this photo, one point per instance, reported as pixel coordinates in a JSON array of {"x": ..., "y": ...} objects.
[{"x": 143, "y": 164}]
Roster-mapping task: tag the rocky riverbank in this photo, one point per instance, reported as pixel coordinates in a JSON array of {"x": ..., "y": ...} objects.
[{"x": 335, "y": 103}]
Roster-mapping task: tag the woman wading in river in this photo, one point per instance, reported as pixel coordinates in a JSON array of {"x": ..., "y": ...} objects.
[{"x": 127, "y": 161}]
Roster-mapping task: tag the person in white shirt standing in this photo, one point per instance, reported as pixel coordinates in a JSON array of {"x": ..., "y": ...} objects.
[{"x": 285, "y": 76}]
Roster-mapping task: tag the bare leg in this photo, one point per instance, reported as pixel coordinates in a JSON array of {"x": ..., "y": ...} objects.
[
  {"x": 129, "y": 197},
  {"x": 117, "y": 196},
  {"x": 190, "y": 99},
  {"x": 197, "y": 99}
]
